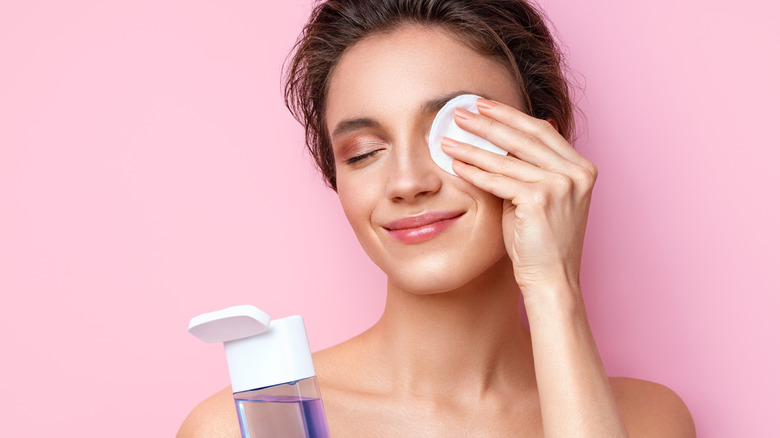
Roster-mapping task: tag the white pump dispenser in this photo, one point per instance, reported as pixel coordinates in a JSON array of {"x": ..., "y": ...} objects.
[{"x": 271, "y": 371}]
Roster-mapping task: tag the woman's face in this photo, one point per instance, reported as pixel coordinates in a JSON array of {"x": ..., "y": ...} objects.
[{"x": 383, "y": 96}]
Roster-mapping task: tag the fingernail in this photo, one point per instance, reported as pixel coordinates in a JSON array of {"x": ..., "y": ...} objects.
[
  {"x": 448, "y": 143},
  {"x": 464, "y": 114},
  {"x": 483, "y": 103}
]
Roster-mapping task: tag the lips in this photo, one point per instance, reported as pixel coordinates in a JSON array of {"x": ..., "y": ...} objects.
[{"x": 415, "y": 229}]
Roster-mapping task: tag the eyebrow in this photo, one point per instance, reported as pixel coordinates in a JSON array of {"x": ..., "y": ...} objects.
[
  {"x": 437, "y": 103},
  {"x": 429, "y": 106},
  {"x": 350, "y": 125}
]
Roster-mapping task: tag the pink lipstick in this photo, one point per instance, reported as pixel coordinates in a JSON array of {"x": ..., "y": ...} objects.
[{"x": 426, "y": 226}]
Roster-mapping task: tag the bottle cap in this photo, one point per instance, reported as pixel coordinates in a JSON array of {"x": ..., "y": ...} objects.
[
  {"x": 260, "y": 352},
  {"x": 444, "y": 126}
]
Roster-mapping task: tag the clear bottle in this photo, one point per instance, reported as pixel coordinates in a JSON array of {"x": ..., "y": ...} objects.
[{"x": 271, "y": 371}]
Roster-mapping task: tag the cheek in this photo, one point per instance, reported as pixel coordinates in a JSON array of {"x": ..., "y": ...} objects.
[
  {"x": 491, "y": 210},
  {"x": 358, "y": 201},
  {"x": 487, "y": 203}
]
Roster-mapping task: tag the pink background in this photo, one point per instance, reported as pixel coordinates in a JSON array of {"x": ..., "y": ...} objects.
[{"x": 149, "y": 172}]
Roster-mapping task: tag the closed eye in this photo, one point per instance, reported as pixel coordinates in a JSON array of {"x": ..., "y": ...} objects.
[{"x": 355, "y": 159}]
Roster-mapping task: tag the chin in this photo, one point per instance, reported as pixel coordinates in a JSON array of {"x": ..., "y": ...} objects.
[
  {"x": 427, "y": 284},
  {"x": 426, "y": 277}
]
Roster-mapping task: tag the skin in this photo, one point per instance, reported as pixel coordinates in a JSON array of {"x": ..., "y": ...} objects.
[{"x": 449, "y": 356}]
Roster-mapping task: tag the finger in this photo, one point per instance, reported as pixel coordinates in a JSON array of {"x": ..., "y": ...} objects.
[
  {"x": 492, "y": 162},
  {"x": 522, "y": 144},
  {"x": 499, "y": 185},
  {"x": 539, "y": 128}
]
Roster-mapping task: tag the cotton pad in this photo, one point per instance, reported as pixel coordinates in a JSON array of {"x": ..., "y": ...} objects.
[{"x": 444, "y": 126}]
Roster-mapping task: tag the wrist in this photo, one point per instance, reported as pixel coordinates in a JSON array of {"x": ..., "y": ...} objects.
[{"x": 560, "y": 296}]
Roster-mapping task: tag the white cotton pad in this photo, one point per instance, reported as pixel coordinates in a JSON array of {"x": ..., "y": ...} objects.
[{"x": 444, "y": 126}]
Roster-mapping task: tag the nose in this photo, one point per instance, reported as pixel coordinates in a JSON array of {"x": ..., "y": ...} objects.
[{"x": 413, "y": 174}]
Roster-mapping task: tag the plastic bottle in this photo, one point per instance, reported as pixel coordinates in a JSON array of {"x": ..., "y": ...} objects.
[{"x": 271, "y": 371}]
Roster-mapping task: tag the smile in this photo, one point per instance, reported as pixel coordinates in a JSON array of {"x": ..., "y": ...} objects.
[{"x": 416, "y": 229}]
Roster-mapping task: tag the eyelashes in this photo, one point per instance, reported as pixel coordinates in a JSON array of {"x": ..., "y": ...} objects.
[
  {"x": 361, "y": 148},
  {"x": 358, "y": 158},
  {"x": 355, "y": 145}
]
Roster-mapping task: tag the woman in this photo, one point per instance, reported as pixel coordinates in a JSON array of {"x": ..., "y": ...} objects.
[{"x": 449, "y": 356}]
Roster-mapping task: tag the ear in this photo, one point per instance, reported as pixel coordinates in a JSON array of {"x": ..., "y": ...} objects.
[{"x": 553, "y": 122}]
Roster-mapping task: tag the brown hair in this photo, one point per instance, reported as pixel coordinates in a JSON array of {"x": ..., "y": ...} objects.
[{"x": 512, "y": 31}]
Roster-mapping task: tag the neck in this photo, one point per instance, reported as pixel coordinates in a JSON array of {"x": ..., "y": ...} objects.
[{"x": 471, "y": 336}]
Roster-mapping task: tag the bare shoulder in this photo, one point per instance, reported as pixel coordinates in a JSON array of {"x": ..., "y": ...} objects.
[
  {"x": 214, "y": 417},
  {"x": 340, "y": 365},
  {"x": 650, "y": 409}
]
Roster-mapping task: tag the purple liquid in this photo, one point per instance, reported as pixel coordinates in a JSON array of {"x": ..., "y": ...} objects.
[{"x": 282, "y": 416}]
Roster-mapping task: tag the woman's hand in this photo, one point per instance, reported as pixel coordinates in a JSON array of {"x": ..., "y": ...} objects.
[{"x": 546, "y": 186}]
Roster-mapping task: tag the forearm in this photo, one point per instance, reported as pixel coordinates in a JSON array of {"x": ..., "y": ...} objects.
[{"x": 574, "y": 391}]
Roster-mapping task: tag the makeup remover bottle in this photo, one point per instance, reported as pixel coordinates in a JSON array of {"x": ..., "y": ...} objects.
[{"x": 271, "y": 370}]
